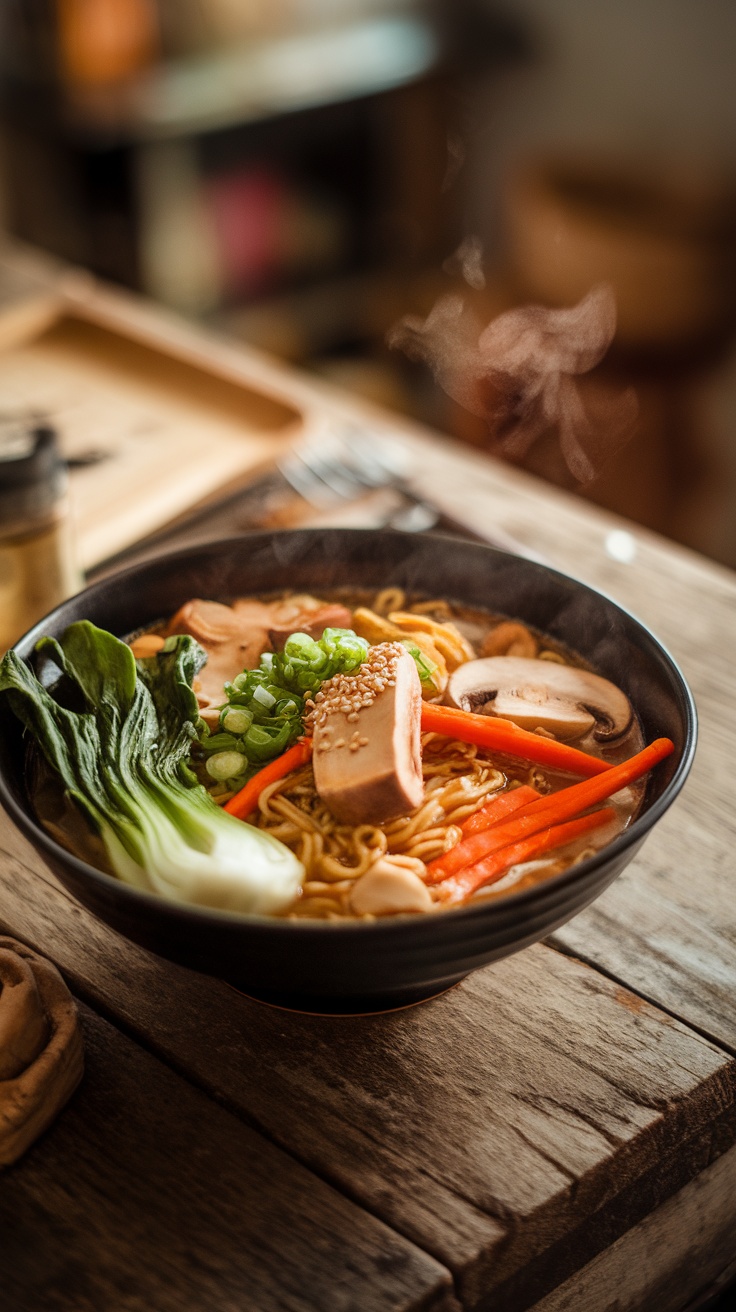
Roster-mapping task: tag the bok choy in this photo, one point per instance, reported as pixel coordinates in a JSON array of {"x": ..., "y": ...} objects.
[{"x": 118, "y": 733}]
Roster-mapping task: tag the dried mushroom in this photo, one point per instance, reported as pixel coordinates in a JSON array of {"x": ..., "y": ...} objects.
[
  {"x": 41, "y": 1052},
  {"x": 510, "y": 638},
  {"x": 375, "y": 628}
]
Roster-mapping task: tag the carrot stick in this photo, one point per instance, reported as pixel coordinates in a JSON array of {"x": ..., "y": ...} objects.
[
  {"x": 548, "y": 810},
  {"x": 246, "y": 800},
  {"x": 503, "y": 736},
  {"x": 497, "y": 808},
  {"x": 473, "y": 877}
]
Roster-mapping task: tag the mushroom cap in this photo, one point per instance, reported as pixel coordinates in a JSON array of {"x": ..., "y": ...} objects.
[{"x": 535, "y": 694}]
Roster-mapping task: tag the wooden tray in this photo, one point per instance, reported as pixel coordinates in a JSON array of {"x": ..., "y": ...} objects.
[{"x": 164, "y": 419}]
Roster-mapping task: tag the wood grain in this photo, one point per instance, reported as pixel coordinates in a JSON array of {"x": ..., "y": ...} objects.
[
  {"x": 159, "y": 429},
  {"x": 696, "y": 1227},
  {"x": 145, "y": 1196},
  {"x": 487, "y": 1127}
]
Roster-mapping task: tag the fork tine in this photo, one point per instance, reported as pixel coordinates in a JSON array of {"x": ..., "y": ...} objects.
[
  {"x": 377, "y": 458},
  {"x": 336, "y": 472},
  {"x": 340, "y": 467},
  {"x": 300, "y": 476}
]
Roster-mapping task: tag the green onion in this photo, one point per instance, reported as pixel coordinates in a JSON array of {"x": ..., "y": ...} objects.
[
  {"x": 426, "y": 667},
  {"x": 236, "y": 719},
  {"x": 264, "y": 697},
  {"x": 221, "y": 742},
  {"x": 263, "y": 714},
  {"x": 224, "y": 765}
]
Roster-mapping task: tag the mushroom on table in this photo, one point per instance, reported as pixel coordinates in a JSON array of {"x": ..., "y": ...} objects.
[{"x": 41, "y": 1049}]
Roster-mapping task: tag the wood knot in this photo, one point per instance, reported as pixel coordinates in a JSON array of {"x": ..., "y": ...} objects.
[{"x": 41, "y": 1050}]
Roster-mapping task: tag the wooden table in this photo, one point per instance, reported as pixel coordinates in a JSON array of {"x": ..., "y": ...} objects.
[{"x": 555, "y": 1133}]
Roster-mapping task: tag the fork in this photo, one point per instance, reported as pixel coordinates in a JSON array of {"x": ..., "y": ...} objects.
[
  {"x": 321, "y": 474},
  {"x": 342, "y": 466}
]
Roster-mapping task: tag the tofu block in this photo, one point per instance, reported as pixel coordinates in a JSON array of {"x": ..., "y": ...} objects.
[{"x": 367, "y": 759}]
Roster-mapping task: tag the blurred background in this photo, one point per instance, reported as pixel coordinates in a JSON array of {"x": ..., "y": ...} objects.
[{"x": 302, "y": 174}]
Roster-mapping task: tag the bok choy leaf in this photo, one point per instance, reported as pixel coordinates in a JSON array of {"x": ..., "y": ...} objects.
[{"x": 121, "y": 755}]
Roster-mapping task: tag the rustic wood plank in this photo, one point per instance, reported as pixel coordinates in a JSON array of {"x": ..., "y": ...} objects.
[
  {"x": 145, "y": 1195},
  {"x": 696, "y": 1227},
  {"x": 488, "y": 1127}
]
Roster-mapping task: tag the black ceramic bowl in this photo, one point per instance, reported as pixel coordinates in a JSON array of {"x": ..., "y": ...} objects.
[{"x": 367, "y": 966}]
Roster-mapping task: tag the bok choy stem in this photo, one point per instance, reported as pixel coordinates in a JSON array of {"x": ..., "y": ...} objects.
[{"x": 121, "y": 755}]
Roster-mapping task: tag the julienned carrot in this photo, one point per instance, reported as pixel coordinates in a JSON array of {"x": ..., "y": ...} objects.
[
  {"x": 503, "y": 736},
  {"x": 473, "y": 877},
  {"x": 546, "y": 811},
  {"x": 246, "y": 800},
  {"x": 497, "y": 808}
]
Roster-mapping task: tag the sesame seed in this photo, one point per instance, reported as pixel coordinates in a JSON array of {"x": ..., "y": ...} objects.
[{"x": 347, "y": 694}]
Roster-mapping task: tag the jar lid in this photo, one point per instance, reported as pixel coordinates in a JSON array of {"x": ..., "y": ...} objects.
[{"x": 32, "y": 471}]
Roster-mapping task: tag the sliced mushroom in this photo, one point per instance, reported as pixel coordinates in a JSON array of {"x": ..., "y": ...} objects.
[
  {"x": 305, "y": 614},
  {"x": 535, "y": 694},
  {"x": 236, "y": 636},
  {"x": 234, "y": 640}
]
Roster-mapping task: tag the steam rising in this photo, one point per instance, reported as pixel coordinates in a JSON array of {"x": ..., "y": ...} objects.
[
  {"x": 455, "y": 159},
  {"x": 468, "y": 262},
  {"x": 519, "y": 372}
]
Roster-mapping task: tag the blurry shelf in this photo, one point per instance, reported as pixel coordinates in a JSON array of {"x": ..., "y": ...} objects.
[
  {"x": 248, "y": 84},
  {"x": 354, "y": 309},
  {"x": 282, "y": 165}
]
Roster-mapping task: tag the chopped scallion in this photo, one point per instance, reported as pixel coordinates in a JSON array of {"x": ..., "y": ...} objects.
[{"x": 225, "y": 765}]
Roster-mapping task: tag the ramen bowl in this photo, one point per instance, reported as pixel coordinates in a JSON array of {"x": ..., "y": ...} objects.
[{"x": 348, "y": 967}]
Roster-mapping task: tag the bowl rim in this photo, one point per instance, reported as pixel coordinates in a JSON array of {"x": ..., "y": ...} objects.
[{"x": 489, "y": 909}]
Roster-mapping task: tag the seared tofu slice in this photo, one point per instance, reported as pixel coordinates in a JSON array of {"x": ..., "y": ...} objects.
[
  {"x": 367, "y": 748},
  {"x": 308, "y": 615},
  {"x": 234, "y": 640},
  {"x": 235, "y": 637}
]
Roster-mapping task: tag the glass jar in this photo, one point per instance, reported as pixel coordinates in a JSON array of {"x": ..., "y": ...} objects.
[{"x": 37, "y": 566}]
